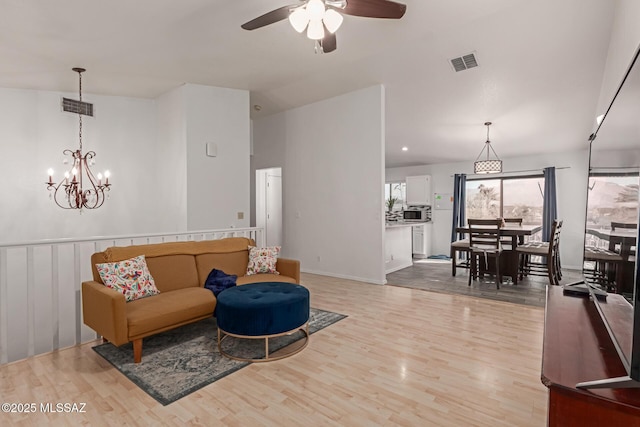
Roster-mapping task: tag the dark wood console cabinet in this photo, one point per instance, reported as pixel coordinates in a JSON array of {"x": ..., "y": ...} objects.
[{"x": 577, "y": 348}]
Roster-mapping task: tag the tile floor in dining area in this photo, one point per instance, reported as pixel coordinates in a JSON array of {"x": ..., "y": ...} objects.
[{"x": 435, "y": 275}]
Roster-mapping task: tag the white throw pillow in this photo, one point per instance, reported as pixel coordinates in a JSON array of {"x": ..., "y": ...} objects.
[
  {"x": 130, "y": 277},
  {"x": 263, "y": 260}
]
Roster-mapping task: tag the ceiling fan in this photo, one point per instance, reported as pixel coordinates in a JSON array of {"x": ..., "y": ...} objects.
[{"x": 322, "y": 18}]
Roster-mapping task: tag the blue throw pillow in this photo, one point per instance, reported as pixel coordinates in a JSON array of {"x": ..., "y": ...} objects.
[{"x": 218, "y": 281}]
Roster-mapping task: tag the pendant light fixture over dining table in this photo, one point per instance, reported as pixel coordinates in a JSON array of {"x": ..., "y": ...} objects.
[{"x": 487, "y": 165}]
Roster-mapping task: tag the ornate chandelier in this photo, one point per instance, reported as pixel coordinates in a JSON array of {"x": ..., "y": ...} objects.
[
  {"x": 489, "y": 165},
  {"x": 80, "y": 188}
]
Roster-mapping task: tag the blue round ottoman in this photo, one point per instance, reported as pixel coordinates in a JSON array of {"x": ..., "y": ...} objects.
[{"x": 263, "y": 311}]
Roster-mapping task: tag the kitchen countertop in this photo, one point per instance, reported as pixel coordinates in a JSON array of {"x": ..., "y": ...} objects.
[{"x": 394, "y": 224}]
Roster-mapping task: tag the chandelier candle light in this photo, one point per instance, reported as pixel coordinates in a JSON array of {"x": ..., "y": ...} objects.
[
  {"x": 80, "y": 188},
  {"x": 488, "y": 165}
]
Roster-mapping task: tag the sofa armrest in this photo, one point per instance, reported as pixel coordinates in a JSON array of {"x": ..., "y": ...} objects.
[
  {"x": 104, "y": 311},
  {"x": 289, "y": 267}
]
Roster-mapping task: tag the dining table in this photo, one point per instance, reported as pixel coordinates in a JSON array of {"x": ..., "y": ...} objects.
[
  {"x": 626, "y": 238},
  {"x": 509, "y": 259}
]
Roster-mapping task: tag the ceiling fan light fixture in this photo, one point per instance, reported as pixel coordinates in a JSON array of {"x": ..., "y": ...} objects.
[
  {"x": 299, "y": 19},
  {"x": 315, "y": 30},
  {"x": 315, "y": 9},
  {"x": 332, "y": 20}
]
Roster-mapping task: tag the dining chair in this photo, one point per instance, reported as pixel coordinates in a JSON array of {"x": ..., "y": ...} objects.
[
  {"x": 548, "y": 254},
  {"x": 507, "y": 242},
  {"x": 513, "y": 220},
  {"x": 615, "y": 246},
  {"x": 484, "y": 243},
  {"x": 626, "y": 225},
  {"x": 459, "y": 247},
  {"x": 601, "y": 266}
]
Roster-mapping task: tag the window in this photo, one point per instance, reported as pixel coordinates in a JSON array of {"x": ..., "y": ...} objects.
[
  {"x": 612, "y": 198},
  {"x": 506, "y": 198},
  {"x": 483, "y": 198},
  {"x": 395, "y": 191}
]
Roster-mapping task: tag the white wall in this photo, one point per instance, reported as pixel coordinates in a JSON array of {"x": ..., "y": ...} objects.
[
  {"x": 571, "y": 187},
  {"x": 625, "y": 39},
  {"x": 34, "y": 131},
  {"x": 161, "y": 179},
  {"x": 171, "y": 152},
  {"x": 217, "y": 187},
  {"x": 332, "y": 159}
]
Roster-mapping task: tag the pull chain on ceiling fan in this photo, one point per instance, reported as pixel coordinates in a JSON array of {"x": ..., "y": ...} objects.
[{"x": 322, "y": 18}]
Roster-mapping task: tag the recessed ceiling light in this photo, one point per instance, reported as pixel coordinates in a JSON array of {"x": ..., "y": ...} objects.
[{"x": 405, "y": 148}]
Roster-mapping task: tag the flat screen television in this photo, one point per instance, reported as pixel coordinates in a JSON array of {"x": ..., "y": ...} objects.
[{"x": 613, "y": 193}]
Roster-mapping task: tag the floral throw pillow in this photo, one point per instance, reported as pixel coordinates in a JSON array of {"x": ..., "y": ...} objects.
[
  {"x": 263, "y": 260},
  {"x": 130, "y": 277}
]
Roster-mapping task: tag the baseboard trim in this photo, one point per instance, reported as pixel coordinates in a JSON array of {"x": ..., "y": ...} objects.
[{"x": 343, "y": 276}]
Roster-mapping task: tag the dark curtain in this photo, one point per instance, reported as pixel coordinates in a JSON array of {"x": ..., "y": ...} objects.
[
  {"x": 459, "y": 196},
  {"x": 549, "y": 204}
]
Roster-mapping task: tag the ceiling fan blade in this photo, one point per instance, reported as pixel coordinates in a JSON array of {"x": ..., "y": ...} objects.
[
  {"x": 375, "y": 9},
  {"x": 269, "y": 17},
  {"x": 329, "y": 43}
]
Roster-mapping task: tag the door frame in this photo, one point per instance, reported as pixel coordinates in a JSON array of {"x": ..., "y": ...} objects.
[{"x": 261, "y": 198}]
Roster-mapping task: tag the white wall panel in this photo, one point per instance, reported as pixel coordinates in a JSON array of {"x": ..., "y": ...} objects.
[
  {"x": 45, "y": 319},
  {"x": 17, "y": 308},
  {"x": 66, "y": 296},
  {"x": 217, "y": 187},
  {"x": 332, "y": 159}
]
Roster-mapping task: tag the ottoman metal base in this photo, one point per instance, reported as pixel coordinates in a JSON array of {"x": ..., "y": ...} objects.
[{"x": 297, "y": 347}]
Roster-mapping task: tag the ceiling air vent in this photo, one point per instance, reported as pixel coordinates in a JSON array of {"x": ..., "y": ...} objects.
[
  {"x": 78, "y": 107},
  {"x": 464, "y": 62}
]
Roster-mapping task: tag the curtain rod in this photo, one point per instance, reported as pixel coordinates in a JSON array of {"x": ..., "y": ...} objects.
[
  {"x": 613, "y": 167},
  {"x": 522, "y": 171}
]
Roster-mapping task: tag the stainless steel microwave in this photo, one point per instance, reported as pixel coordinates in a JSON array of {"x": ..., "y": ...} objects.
[{"x": 418, "y": 215}]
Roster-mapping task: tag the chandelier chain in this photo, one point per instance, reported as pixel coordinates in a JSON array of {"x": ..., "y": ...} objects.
[{"x": 79, "y": 113}]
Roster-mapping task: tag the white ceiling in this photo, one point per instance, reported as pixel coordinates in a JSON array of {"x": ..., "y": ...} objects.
[{"x": 541, "y": 63}]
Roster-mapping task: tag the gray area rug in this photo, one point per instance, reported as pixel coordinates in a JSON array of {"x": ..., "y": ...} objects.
[
  {"x": 178, "y": 362},
  {"x": 435, "y": 276}
]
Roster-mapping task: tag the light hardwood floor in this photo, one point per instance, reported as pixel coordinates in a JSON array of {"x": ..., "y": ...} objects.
[{"x": 403, "y": 357}]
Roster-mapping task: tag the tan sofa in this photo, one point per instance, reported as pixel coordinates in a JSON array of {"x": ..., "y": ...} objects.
[{"x": 179, "y": 270}]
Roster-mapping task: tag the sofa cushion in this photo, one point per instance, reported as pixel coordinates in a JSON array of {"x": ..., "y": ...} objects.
[
  {"x": 230, "y": 263},
  {"x": 173, "y": 272},
  {"x": 263, "y": 260},
  {"x": 168, "y": 310},
  {"x": 265, "y": 277},
  {"x": 130, "y": 277}
]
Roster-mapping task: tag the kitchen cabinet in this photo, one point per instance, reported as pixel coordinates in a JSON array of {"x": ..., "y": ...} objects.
[
  {"x": 421, "y": 238},
  {"x": 418, "y": 190}
]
